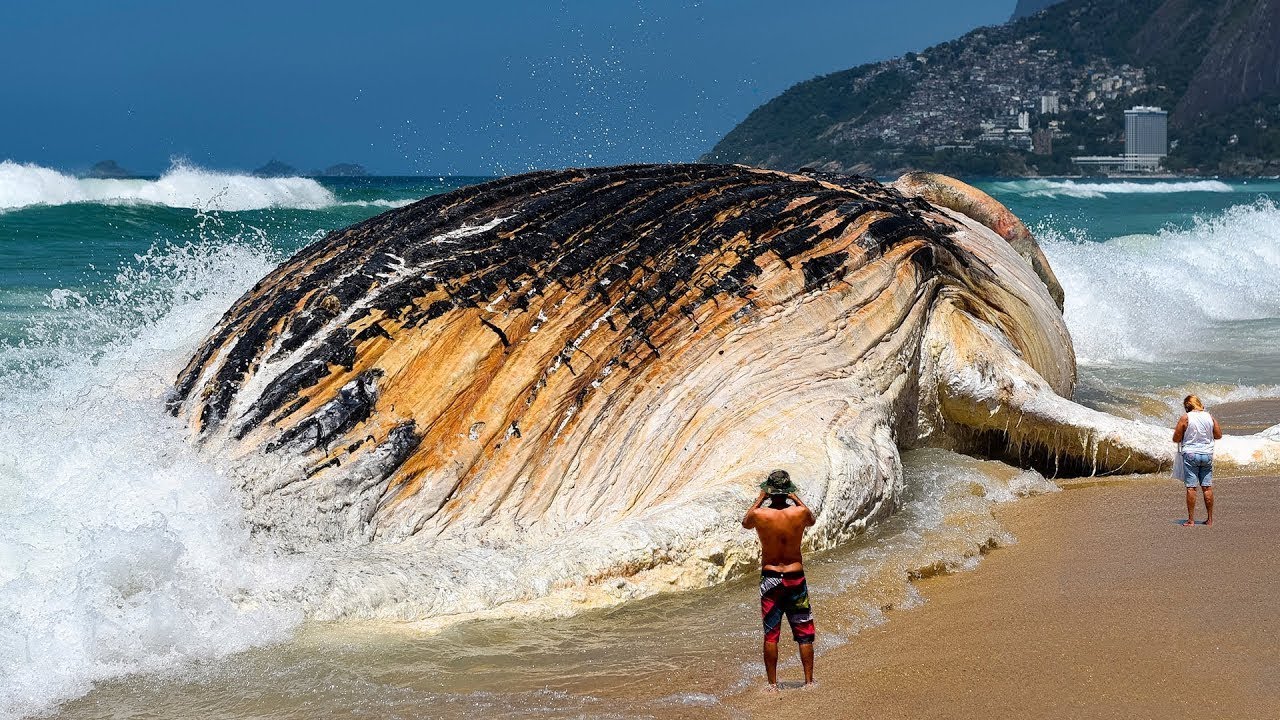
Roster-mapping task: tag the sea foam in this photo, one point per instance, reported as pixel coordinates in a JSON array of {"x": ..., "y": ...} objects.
[
  {"x": 181, "y": 186},
  {"x": 121, "y": 550},
  {"x": 1148, "y": 298}
]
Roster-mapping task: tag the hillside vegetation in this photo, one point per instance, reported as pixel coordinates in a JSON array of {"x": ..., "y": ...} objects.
[{"x": 1215, "y": 64}]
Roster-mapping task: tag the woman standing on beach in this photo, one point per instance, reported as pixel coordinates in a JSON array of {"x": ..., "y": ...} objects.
[{"x": 1195, "y": 433}]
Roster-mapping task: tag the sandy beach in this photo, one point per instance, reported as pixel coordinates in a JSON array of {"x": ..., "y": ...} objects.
[{"x": 1106, "y": 607}]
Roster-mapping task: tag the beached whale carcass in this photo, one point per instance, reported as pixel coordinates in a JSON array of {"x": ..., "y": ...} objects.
[{"x": 575, "y": 379}]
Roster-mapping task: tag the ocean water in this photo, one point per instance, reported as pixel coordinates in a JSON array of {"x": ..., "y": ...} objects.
[{"x": 128, "y": 584}]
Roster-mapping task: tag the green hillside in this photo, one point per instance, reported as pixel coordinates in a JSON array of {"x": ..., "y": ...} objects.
[{"x": 956, "y": 107}]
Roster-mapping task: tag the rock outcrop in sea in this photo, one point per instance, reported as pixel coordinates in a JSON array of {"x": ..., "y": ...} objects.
[
  {"x": 343, "y": 170},
  {"x": 108, "y": 170},
  {"x": 276, "y": 169}
]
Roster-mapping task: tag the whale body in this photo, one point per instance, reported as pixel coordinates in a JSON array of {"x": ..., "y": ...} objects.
[{"x": 568, "y": 384}]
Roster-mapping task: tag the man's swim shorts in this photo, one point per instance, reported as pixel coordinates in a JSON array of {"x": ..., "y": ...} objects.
[{"x": 785, "y": 593}]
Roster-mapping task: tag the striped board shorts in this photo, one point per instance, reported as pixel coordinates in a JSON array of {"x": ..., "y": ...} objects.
[{"x": 785, "y": 593}]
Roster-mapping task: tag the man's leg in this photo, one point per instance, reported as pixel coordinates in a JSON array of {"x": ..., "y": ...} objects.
[
  {"x": 1208, "y": 504},
  {"x": 771, "y": 661},
  {"x": 800, "y": 618},
  {"x": 806, "y": 659},
  {"x": 1191, "y": 507},
  {"x": 771, "y": 613}
]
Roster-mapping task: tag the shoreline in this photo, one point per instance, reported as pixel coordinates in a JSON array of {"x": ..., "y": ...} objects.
[
  {"x": 1106, "y": 607},
  {"x": 1103, "y": 607}
]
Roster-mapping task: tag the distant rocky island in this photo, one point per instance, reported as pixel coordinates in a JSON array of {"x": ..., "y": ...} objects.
[
  {"x": 343, "y": 170},
  {"x": 1025, "y": 97},
  {"x": 277, "y": 169},
  {"x": 109, "y": 170}
]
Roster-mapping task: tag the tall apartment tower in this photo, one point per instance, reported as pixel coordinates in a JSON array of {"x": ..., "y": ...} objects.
[{"x": 1146, "y": 137}]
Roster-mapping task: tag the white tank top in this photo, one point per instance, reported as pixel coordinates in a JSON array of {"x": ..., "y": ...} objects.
[{"x": 1199, "y": 435}]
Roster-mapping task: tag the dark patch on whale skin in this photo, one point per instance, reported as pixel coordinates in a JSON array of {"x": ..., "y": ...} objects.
[
  {"x": 353, "y": 404},
  {"x": 819, "y": 269},
  {"x": 652, "y": 243},
  {"x": 555, "y": 206}
]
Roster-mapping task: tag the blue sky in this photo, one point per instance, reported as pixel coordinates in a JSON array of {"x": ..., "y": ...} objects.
[{"x": 479, "y": 87}]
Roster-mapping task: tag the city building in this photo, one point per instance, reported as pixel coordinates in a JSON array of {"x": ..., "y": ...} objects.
[
  {"x": 1146, "y": 136},
  {"x": 1049, "y": 105},
  {"x": 1042, "y": 142},
  {"x": 1146, "y": 143}
]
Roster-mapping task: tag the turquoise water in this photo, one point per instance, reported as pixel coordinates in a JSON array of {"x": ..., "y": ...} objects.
[
  {"x": 1170, "y": 284},
  {"x": 81, "y": 246},
  {"x": 123, "y": 562}
]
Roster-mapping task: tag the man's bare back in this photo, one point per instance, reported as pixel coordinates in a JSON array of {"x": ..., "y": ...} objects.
[{"x": 781, "y": 531}]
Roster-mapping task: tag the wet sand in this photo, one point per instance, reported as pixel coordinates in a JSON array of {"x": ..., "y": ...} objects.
[{"x": 1106, "y": 607}]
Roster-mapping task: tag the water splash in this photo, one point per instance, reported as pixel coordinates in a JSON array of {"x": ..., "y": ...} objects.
[
  {"x": 121, "y": 551},
  {"x": 1152, "y": 298}
]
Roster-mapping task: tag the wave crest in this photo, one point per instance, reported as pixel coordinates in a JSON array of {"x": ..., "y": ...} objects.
[
  {"x": 181, "y": 186},
  {"x": 1154, "y": 297},
  {"x": 1072, "y": 188}
]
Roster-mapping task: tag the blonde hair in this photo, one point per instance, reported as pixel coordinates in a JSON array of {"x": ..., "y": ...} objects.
[{"x": 1192, "y": 402}]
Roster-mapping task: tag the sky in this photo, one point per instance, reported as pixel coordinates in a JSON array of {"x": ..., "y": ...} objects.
[{"x": 476, "y": 87}]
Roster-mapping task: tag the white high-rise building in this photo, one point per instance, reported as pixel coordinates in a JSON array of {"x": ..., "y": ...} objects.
[
  {"x": 1048, "y": 104},
  {"x": 1146, "y": 137},
  {"x": 1146, "y": 144}
]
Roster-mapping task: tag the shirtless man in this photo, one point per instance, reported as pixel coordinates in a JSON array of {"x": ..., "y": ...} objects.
[{"x": 779, "y": 517}]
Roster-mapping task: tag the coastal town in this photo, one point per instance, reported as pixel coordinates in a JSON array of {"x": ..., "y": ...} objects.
[
  {"x": 1085, "y": 89},
  {"x": 1001, "y": 94},
  {"x": 1004, "y": 94}
]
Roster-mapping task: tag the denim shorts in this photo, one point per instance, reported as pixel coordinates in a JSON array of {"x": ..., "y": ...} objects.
[{"x": 1199, "y": 469}]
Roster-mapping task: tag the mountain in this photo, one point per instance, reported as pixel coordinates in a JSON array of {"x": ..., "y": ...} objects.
[
  {"x": 108, "y": 169},
  {"x": 1027, "y": 8},
  {"x": 276, "y": 169},
  {"x": 1022, "y": 98},
  {"x": 1241, "y": 53}
]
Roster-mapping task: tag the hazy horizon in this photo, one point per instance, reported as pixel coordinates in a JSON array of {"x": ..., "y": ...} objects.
[{"x": 410, "y": 89}]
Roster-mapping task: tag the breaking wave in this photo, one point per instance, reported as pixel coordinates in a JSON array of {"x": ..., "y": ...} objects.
[
  {"x": 1152, "y": 298},
  {"x": 122, "y": 551},
  {"x": 181, "y": 186},
  {"x": 1072, "y": 188}
]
